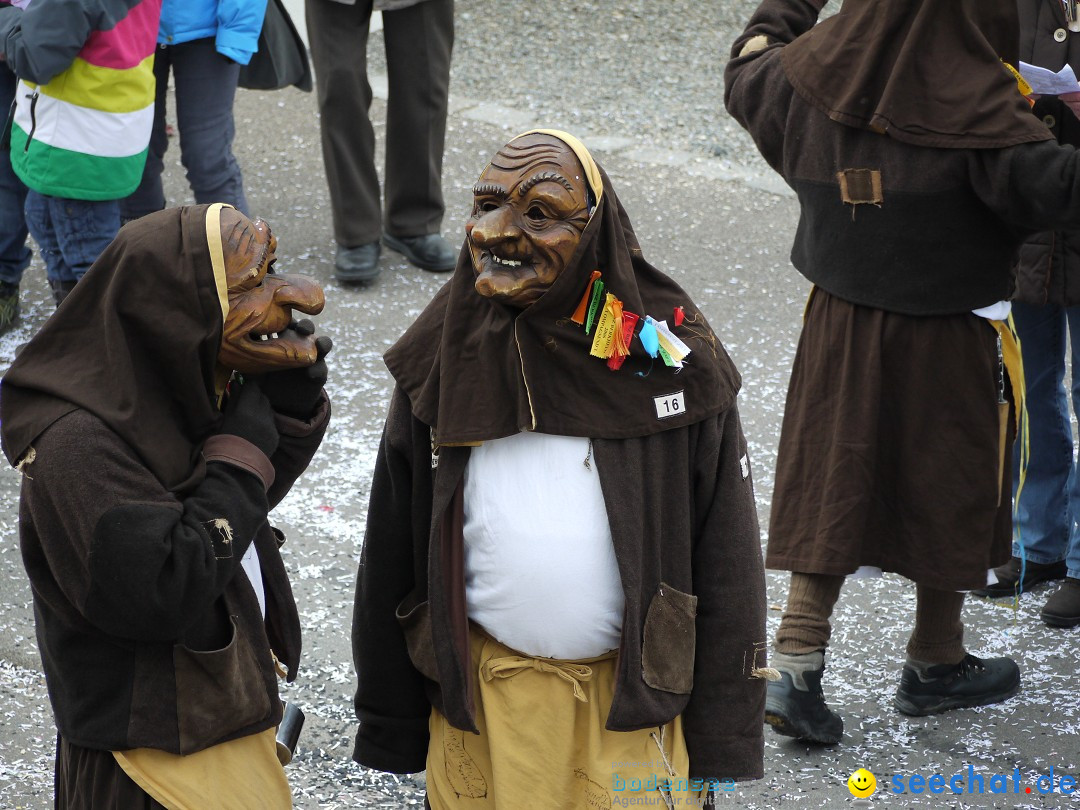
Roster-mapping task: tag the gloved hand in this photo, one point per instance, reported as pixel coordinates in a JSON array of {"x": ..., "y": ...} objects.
[
  {"x": 249, "y": 415},
  {"x": 295, "y": 391}
]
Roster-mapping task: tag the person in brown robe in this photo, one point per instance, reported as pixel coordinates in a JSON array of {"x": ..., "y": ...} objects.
[
  {"x": 919, "y": 171},
  {"x": 540, "y": 341},
  {"x": 163, "y": 609}
]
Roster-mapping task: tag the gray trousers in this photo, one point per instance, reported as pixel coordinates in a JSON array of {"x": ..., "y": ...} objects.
[
  {"x": 205, "y": 83},
  {"x": 418, "y": 40}
]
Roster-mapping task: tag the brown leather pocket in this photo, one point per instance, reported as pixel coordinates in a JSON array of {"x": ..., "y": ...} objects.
[
  {"x": 667, "y": 650},
  {"x": 415, "y": 623},
  {"x": 218, "y": 692}
]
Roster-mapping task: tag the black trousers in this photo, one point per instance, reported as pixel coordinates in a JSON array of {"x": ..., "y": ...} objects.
[
  {"x": 419, "y": 40},
  {"x": 88, "y": 779}
]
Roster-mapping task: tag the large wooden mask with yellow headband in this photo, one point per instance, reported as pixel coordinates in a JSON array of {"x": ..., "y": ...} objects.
[{"x": 257, "y": 303}]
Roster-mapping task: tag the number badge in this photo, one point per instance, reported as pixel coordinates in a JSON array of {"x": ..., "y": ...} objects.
[{"x": 669, "y": 405}]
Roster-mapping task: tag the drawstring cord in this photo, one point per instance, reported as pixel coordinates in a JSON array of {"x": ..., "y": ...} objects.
[{"x": 512, "y": 665}]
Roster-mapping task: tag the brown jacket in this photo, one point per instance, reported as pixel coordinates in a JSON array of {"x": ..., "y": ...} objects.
[
  {"x": 1048, "y": 267},
  {"x": 149, "y": 631},
  {"x": 681, "y": 508},
  {"x": 883, "y": 223}
]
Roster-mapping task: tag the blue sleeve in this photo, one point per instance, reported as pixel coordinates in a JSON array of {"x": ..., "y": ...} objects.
[{"x": 239, "y": 24}]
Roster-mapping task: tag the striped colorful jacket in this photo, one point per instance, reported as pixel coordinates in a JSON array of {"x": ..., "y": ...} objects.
[{"x": 85, "y": 101}]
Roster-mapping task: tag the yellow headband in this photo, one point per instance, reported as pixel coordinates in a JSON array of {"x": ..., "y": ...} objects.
[
  {"x": 221, "y": 282},
  {"x": 217, "y": 255}
]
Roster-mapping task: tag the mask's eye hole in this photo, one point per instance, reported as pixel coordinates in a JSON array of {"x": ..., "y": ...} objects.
[
  {"x": 536, "y": 214},
  {"x": 270, "y": 267}
]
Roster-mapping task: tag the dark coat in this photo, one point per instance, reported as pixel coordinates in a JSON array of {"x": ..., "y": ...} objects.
[
  {"x": 884, "y": 223},
  {"x": 1048, "y": 267},
  {"x": 681, "y": 508},
  {"x": 149, "y": 631}
]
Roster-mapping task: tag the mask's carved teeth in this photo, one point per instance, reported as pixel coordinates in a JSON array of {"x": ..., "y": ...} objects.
[
  {"x": 274, "y": 335},
  {"x": 505, "y": 262},
  {"x": 263, "y": 337}
]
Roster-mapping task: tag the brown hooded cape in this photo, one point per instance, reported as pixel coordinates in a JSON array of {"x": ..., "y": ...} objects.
[
  {"x": 926, "y": 72},
  {"x": 136, "y": 344},
  {"x": 476, "y": 369}
]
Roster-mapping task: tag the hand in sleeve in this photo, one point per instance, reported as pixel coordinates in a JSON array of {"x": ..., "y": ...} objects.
[
  {"x": 296, "y": 392},
  {"x": 249, "y": 415},
  {"x": 153, "y": 569}
]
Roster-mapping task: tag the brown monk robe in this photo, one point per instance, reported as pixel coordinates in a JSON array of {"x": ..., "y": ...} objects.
[
  {"x": 486, "y": 652},
  {"x": 163, "y": 608},
  {"x": 919, "y": 170}
]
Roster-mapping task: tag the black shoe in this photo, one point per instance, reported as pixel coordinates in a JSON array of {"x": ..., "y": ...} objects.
[
  {"x": 801, "y": 713},
  {"x": 1062, "y": 609},
  {"x": 1008, "y": 576},
  {"x": 360, "y": 263},
  {"x": 972, "y": 682},
  {"x": 61, "y": 290},
  {"x": 9, "y": 305},
  {"x": 428, "y": 252}
]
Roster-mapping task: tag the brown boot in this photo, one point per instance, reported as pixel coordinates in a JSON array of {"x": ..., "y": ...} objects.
[
  {"x": 1008, "y": 577},
  {"x": 1062, "y": 609},
  {"x": 60, "y": 290}
]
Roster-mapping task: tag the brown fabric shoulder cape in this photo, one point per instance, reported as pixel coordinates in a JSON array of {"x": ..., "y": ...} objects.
[
  {"x": 136, "y": 344},
  {"x": 926, "y": 72},
  {"x": 477, "y": 370}
]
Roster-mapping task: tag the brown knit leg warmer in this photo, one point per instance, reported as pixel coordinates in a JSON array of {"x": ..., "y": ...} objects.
[
  {"x": 804, "y": 627},
  {"x": 938, "y": 637}
]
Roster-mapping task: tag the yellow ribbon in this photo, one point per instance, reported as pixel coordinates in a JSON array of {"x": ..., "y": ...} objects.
[{"x": 1014, "y": 365}]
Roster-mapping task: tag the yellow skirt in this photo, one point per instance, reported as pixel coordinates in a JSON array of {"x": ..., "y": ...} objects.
[
  {"x": 242, "y": 774},
  {"x": 542, "y": 741}
]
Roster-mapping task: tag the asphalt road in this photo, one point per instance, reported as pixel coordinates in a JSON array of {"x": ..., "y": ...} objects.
[{"x": 643, "y": 82}]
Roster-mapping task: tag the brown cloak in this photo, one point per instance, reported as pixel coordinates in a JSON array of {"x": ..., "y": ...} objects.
[
  {"x": 477, "y": 369},
  {"x": 926, "y": 72},
  {"x": 136, "y": 344}
]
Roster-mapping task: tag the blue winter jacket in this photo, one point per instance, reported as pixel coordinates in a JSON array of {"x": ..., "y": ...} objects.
[{"x": 234, "y": 24}]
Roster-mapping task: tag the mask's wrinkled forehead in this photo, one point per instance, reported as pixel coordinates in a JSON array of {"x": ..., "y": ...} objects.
[
  {"x": 523, "y": 157},
  {"x": 529, "y": 161},
  {"x": 516, "y": 157}
]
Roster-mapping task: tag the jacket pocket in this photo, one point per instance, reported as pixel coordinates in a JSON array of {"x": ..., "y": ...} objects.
[
  {"x": 415, "y": 623},
  {"x": 667, "y": 650},
  {"x": 218, "y": 692}
]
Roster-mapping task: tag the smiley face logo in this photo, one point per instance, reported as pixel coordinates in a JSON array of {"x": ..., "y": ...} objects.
[{"x": 862, "y": 783}]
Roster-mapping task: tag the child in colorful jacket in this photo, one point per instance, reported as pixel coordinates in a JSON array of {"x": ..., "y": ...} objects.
[{"x": 83, "y": 113}]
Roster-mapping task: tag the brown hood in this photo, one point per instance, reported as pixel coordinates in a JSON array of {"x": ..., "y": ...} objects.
[
  {"x": 926, "y": 72},
  {"x": 136, "y": 344},
  {"x": 478, "y": 370}
]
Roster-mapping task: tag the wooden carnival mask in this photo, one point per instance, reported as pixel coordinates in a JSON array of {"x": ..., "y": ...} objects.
[
  {"x": 530, "y": 207},
  {"x": 256, "y": 336}
]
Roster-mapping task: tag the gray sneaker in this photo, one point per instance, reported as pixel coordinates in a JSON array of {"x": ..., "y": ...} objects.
[
  {"x": 795, "y": 705},
  {"x": 973, "y": 682}
]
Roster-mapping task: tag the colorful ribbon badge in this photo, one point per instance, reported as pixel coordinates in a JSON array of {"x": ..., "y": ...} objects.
[{"x": 613, "y": 328}]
